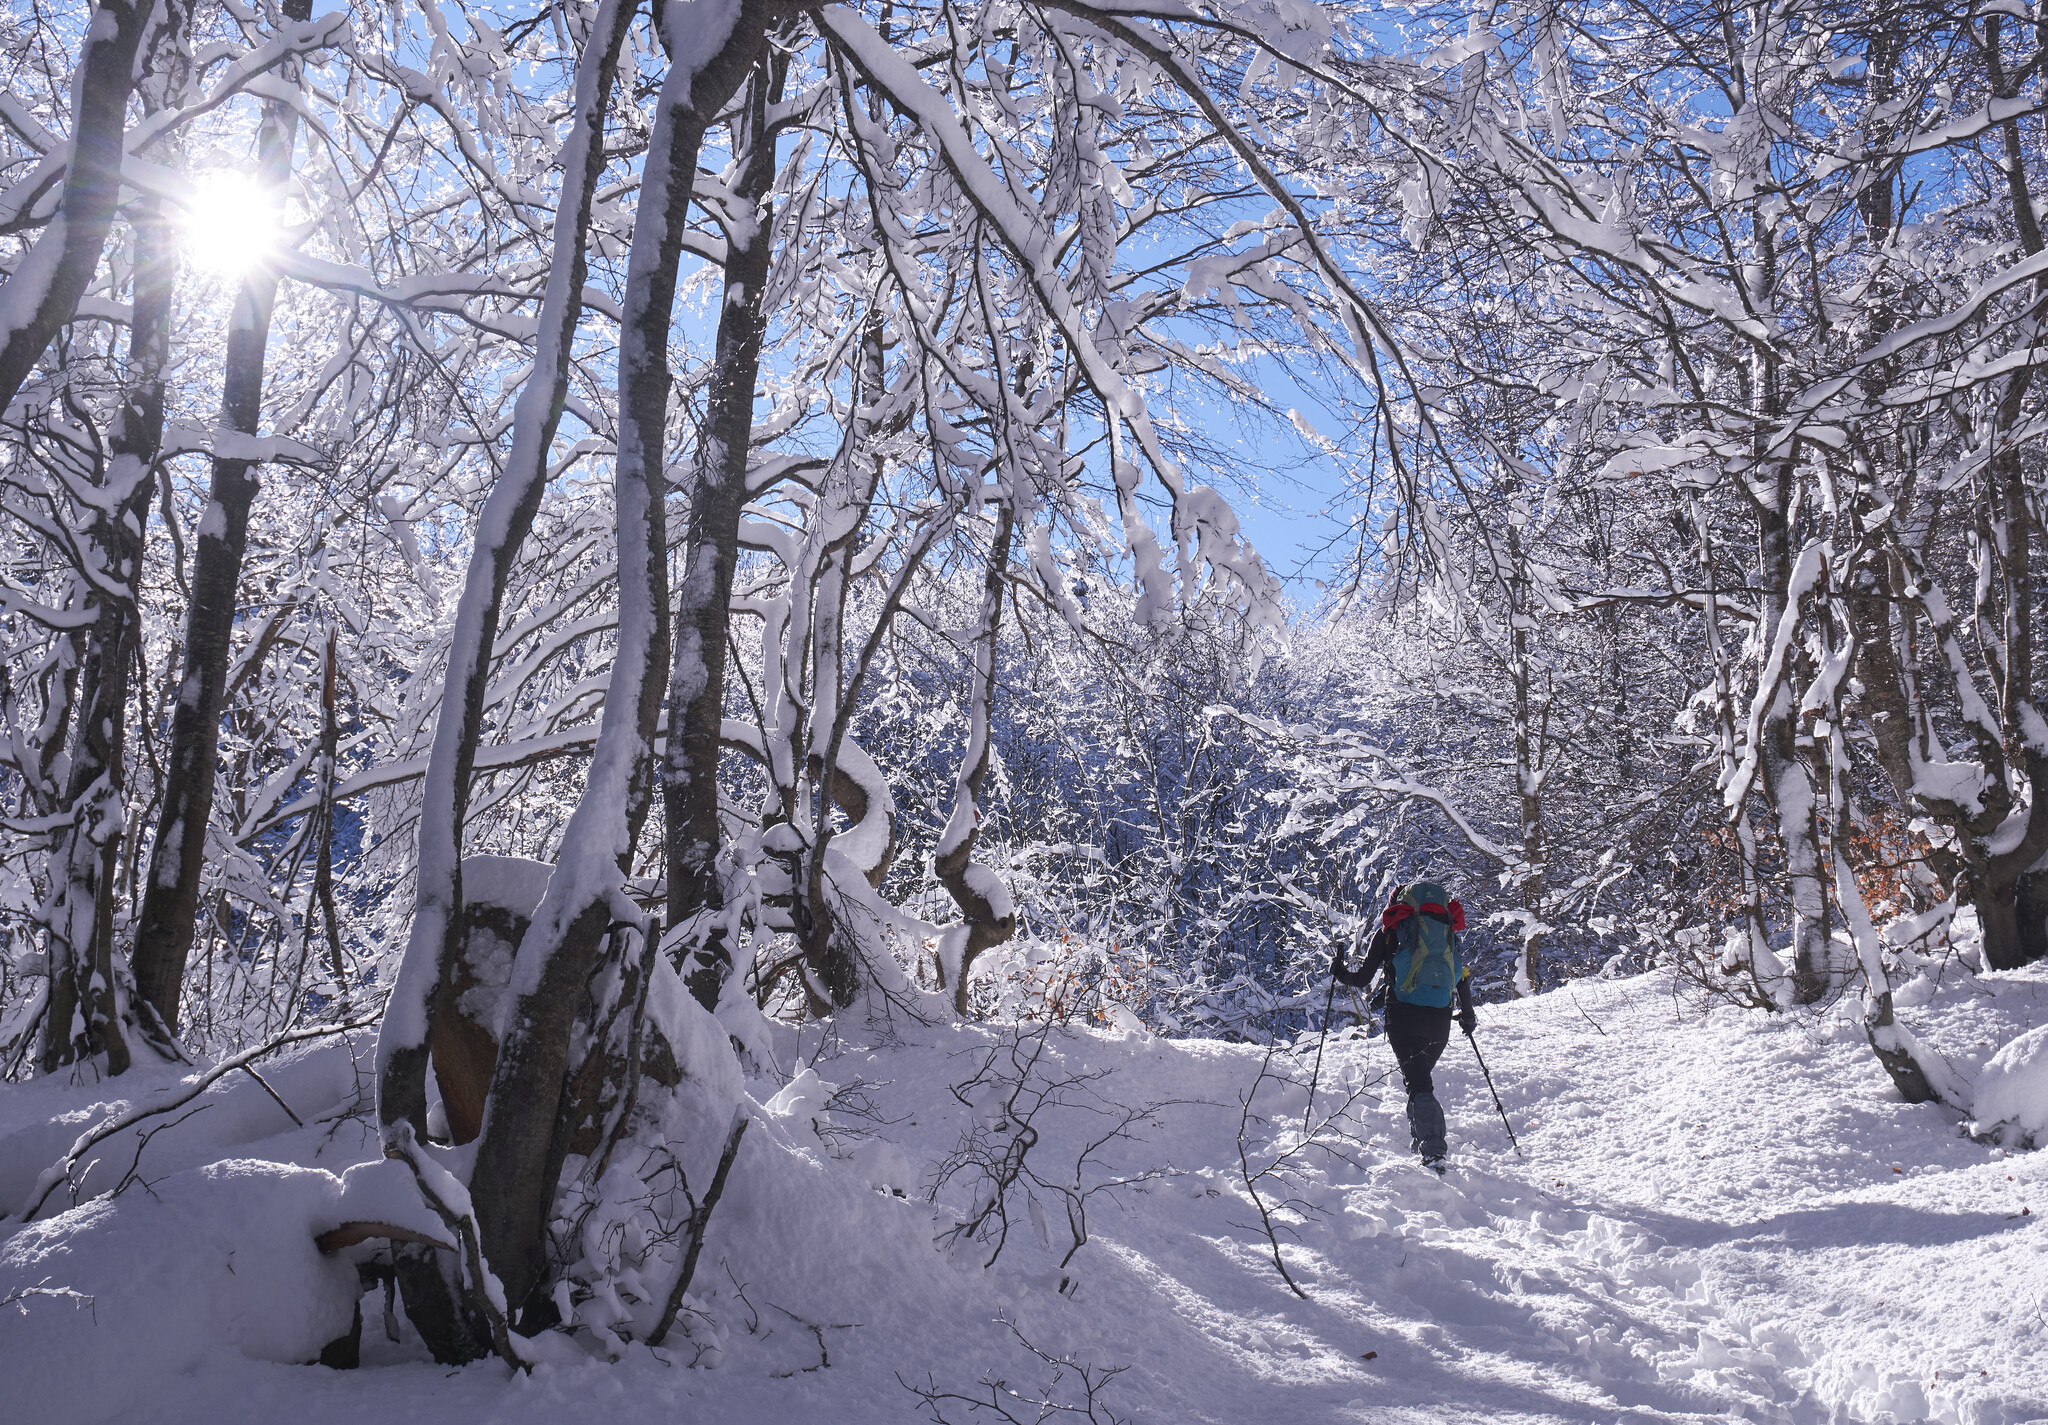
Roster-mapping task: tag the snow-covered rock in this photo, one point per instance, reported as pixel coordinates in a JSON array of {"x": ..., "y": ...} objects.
[
  {"x": 2012, "y": 1092},
  {"x": 111, "y": 1299}
]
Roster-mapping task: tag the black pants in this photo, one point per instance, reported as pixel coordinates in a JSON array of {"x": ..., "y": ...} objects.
[{"x": 1418, "y": 1033}]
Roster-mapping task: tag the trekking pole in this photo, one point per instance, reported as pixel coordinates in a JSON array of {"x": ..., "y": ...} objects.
[
  {"x": 1494, "y": 1091},
  {"x": 1365, "y": 1027},
  {"x": 1328, "y": 1000}
]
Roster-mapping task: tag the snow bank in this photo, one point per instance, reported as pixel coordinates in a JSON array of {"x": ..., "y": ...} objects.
[
  {"x": 2012, "y": 1092},
  {"x": 1715, "y": 1212},
  {"x": 320, "y": 1079},
  {"x": 112, "y": 1299}
]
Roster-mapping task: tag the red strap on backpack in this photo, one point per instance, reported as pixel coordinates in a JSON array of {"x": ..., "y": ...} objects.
[{"x": 1401, "y": 910}]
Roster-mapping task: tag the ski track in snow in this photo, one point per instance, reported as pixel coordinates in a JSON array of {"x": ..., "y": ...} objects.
[{"x": 1718, "y": 1216}]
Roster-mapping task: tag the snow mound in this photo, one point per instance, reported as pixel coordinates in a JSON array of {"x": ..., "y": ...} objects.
[
  {"x": 321, "y": 1079},
  {"x": 108, "y": 1301},
  {"x": 2012, "y": 1092}
]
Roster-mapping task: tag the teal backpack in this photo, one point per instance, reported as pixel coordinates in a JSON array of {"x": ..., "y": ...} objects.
[{"x": 1426, "y": 964}]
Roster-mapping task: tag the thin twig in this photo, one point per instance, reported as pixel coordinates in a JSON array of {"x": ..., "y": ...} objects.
[
  {"x": 700, "y": 1216},
  {"x": 250, "y": 1070},
  {"x": 1251, "y": 1179},
  {"x": 1581, "y": 1009}
]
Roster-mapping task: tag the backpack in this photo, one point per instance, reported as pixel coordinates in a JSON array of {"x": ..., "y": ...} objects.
[{"x": 1426, "y": 967}]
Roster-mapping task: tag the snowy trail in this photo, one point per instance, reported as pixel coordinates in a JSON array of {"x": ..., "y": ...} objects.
[
  {"x": 1718, "y": 1216},
  {"x": 1752, "y": 1188}
]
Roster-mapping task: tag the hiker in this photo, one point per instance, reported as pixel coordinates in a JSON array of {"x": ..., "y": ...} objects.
[{"x": 1417, "y": 948}]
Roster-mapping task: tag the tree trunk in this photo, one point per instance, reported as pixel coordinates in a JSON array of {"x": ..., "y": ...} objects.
[
  {"x": 1919, "y": 1075},
  {"x": 432, "y": 944},
  {"x": 170, "y": 900},
  {"x": 84, "y": 1014},
  {"x": 1756, "y": 941},
  {"x": 1787, "y": 777},
  {"x": 1529, "y": 779},
  {"x": 2014, "y": 918},
  {"x": 1999, "y": 884},
  {"x": 717, "y": 497},
  {"x": 814, "y": 698},
  {"x": 989, "y": 918},
  {"x": 44, "y": 290},
  {"x": 88, "y": 979},
  {"x": 520, "y": 1153}
]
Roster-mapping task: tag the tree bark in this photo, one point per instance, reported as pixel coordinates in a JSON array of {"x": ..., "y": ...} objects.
[
  {"x": 520, "y": 1152},
  {"x": 717, "y": 499},
  {"x": 43, "y": 292},
  {"x": 170, "y": 901}
]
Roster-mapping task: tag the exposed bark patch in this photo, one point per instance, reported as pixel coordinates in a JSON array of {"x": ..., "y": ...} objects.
[{"x": 503, "y": 892}]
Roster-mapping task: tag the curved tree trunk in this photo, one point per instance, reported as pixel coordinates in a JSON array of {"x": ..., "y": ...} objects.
[
  {"x": 434, "y": 940},
  {"x": 455, "y": 1319},
  {"x": 988, "y": 916},
  {"x": 814, "y": 695}
]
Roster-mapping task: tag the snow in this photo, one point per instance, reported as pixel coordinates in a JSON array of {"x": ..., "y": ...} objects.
[
  {"x": 1958, "y": 783},
  {"x": 386, "y": 1192},
  {"x": 1720, "y": 1213},
  {"x": 323, "y": 1080},
  {"x": 989, "y": 886},
  {"x": 711, "y": 1085},
  {"x": 699, "y": 30},
  {"x": 26, "y": 288},
  {"x": 209, "y": 1262},
  {"x": 513, "y": 882},
  {"x": 214, "y": 523},
  {"x": 867, "y": 842},
  {"x": 2012, "y": 1092}
]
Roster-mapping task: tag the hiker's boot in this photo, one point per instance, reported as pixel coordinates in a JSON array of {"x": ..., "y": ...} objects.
[{"x": 1426, "y": 1127}]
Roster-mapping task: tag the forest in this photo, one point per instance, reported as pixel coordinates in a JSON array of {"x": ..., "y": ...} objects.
[{"x": 572, "y": 575}]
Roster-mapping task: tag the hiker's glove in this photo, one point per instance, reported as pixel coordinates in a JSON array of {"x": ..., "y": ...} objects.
[
  {"x": 1468, "y": 1019},
  {"x": 1337, "y": 965}
]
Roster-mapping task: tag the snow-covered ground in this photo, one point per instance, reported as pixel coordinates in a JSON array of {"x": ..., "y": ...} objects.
[{"x": 1717, "y": 1215}]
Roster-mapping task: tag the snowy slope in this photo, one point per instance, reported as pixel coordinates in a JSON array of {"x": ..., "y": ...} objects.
[{"x": 1718, "y": 1214}]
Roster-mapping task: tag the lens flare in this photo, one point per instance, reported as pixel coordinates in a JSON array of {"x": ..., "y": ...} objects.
[{"x": 230, "y": 224}]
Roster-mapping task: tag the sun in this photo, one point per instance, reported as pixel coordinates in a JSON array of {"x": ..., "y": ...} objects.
[{"x": 230, "y": 223}]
